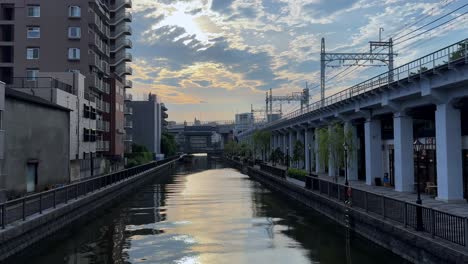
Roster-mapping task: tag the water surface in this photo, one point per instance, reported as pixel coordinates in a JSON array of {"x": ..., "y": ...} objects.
[{"x": 209, "y": 214}]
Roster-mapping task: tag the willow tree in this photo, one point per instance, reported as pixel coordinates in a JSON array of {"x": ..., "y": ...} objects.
[
  {"x": 322, "y": 150},
  {"x": 336, "y": 140},
  {"x": 261, "y": 140},
  {"x": 298, "y": 152}
]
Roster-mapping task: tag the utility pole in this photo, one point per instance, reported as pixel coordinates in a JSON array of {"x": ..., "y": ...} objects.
[{"x": 387, "y": 58}]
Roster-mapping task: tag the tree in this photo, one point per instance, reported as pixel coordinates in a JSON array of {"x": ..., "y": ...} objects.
[
  {"x": 323, "y": 147},
  {"x": 277, "y": 155},
  {"x": 168, "y": 144},
  {"x": 261, "y": 141},
  {"x": 336, "y": 148},
  {"x": 298, "y": 152},
  {"x": 460, "y": 53},
  {"x": 140, "y": 155}
]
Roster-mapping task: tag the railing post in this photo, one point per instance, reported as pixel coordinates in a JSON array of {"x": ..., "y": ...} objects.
[
  {"x": 24, "y": 209},
  {"x": 466, "y": 231},
  {"x": 40, "y": 203},
  {"x": 405, "y": 215},
  {"x": 4, "y": 216},
  {"x": 432, "y": 223}
]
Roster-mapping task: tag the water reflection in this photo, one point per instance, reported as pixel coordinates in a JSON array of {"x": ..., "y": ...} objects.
[{"x": 209, "y": 216}]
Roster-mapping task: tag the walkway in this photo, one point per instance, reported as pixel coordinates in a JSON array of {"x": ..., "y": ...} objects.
[{"x": 460, "y": 208}]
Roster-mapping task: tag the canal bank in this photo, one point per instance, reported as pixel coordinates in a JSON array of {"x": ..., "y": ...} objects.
[
  {"x": 414, "y": 246},
  {"x": 29, "y": 220}
]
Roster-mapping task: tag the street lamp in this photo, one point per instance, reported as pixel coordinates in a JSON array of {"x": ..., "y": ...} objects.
[
  {"x": 346, "y": 147},
  {"x": 310, "y": 160},
  {"x": 287, "y": 158},
  {"x": 418, "y": 146},
  {"x": 272, "y": 157}
]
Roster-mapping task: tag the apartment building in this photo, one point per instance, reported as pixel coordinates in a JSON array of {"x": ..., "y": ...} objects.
[
  {"x": 85, "y": 36},
  {"x": 144, "y": 125}
]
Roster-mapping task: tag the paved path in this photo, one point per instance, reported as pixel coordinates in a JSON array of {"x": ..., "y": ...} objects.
[{"x": 458, "y": 208}]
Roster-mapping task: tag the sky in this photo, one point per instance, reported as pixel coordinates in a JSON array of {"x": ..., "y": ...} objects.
[{"x": 211, "y": 59}]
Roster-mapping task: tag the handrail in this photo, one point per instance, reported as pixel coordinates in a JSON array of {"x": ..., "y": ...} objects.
[
  {"x": 431, "y": 62},
  {"x": 38, "y": 202},
  {"x": 449, "y": 227}
]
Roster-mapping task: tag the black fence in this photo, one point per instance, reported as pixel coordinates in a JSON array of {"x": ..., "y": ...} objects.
[
  {"x": 20, "y": 209},
  {"x": 449, "y": 227}
]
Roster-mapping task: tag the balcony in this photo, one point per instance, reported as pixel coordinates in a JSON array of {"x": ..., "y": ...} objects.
[
  {"x": 123, "y": 16},
  {"x": 128, "y": 84},
  {"x": 128, "y": 97},
  {"x": 102, "y": 106},
  {"x": 98, "y": 24},
  {"x": 128, "y": 110},
  {"x": 2, "y": 144},
  {"x": 121, "y": 43},
  {"x": 122, "y": 57},
  {"x": 122, "y": 30},
  {"x": 121, "y": 4},
  {"x": 128, "y": 138},
  {"x": 102, "y": 146},
  {"x": 124, "y": 70},
  {"x": 99, "y": 84},
  {"x": 102, "y": 125},
  {"x": 128, "y": 124}
]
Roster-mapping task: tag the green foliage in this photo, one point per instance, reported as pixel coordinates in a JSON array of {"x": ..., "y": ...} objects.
[
  {"x": 261, "y": 141},
  {"x": 336, "y": 140},
  {"x": 298, "y": 151},
  {"x": 323, "y": 147},
  {"x": 276, "y": 155},
  {"x": 140, "y": 155},
  {"x": 168, "y": 144},
  {"x": 297, "y": 174},
  {"x": 231, "y": 148},
  {"x": 460, "y": 53}
]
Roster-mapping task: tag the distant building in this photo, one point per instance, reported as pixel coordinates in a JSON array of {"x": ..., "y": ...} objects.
[
  {"x": 35, "y": 150},
  {"x": 243, "y": 122},
  {"x": 145, "y": 124}
]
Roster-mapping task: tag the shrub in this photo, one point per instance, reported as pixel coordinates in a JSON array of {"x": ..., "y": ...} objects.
[{"x": 297, "y": 174}]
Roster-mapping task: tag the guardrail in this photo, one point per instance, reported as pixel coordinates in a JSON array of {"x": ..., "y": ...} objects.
[
  {"x": 445, "y": 57},
  {"x": 22, "y": 208},
  {"x": 449, "y": 227}
]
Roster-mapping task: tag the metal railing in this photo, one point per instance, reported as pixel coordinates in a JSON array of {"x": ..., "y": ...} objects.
[
  {"x": 39, "y": 82},
  {"x": 443, "y": 58},
  {"x": 22, "y": 208},
  {"x": 128, "y": 84},
  {"x": 449, "y": 227}
]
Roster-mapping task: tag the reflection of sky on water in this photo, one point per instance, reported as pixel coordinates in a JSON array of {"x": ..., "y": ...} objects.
[{"x": 213, "y": 216}]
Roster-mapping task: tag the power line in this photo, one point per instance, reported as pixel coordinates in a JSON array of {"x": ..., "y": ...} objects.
[{"x": 432, "y": 22}]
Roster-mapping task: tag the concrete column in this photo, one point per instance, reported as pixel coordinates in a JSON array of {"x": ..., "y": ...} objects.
[
  {"x": 448, "y": 153},
  {"x": 291, "y": 145},
  {"x": 306, "y": 149},
  {"x": 352, "y": 160},
  {"x": 285, "y": 143},
  {"x": 403, "y": 145},
  {"x": 301, "y": 139},
  {"x": 331, "y": 161},
  {"x": 318, "y": 166},
  {"x": 373, "y": 142}
]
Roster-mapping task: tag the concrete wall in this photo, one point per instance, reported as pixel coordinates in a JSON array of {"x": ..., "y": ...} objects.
[{"x": 35, "y": 133}]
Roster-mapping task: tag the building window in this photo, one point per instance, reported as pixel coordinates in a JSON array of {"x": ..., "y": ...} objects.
[
  {"x": 31, "y": 74},
  {"x": 73, "y": 54},
  {"x": 74, "y": 11},
  {"x": 34, "y": 32},
  {"x": 74, "y": 32},
  {"x": 32, "y": 53},
  {"x": 34, "y": 11}
]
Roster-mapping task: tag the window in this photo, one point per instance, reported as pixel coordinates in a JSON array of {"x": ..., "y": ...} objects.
[
  {"x": 74, "y": 11},
  {"x": 73, "y": 54},
  {"x": 34, "y": 32},
  {"x": 74, "y": 32},
  {"x": 32, "y": 53},
  {"x": 31, "y": 74},
  {"x": 34, "y": 11}
]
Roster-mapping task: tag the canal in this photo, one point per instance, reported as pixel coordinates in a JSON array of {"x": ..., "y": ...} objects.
[{"x": 206, "y": 213}]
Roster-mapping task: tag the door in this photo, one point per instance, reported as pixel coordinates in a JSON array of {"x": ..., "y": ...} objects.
[{"x": 31, "y": 177}]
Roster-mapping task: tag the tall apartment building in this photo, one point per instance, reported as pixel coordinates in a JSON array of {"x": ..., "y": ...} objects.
[{"x": 86, "y": 36}]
